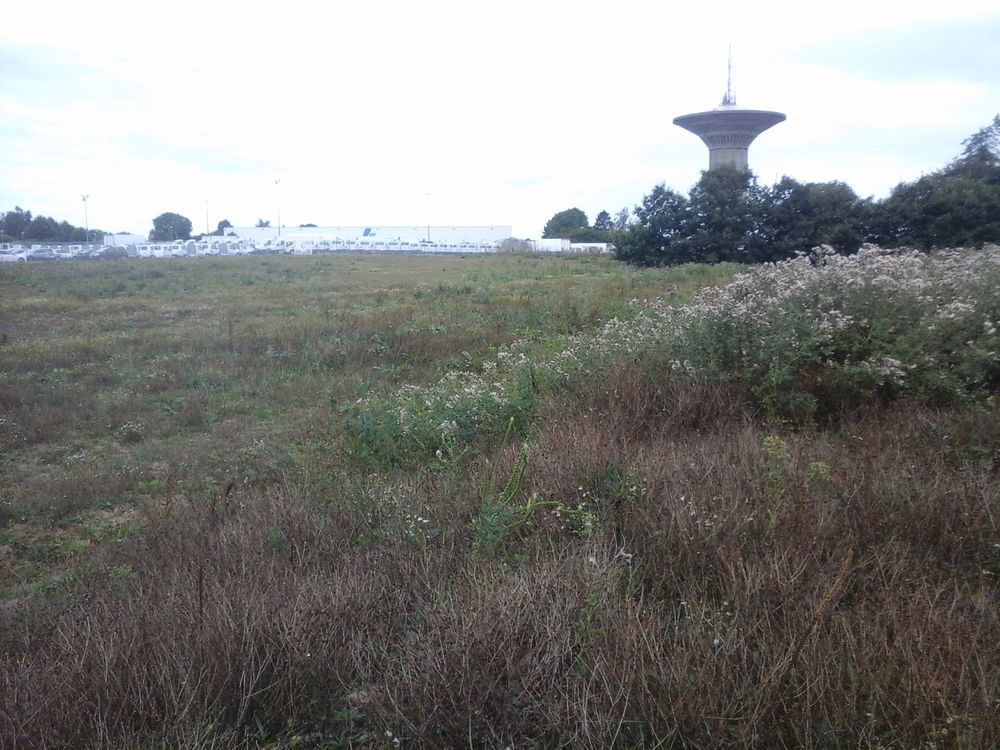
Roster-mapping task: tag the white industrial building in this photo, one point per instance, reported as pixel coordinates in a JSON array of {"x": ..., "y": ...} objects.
[{"x": 442, "y": 235}]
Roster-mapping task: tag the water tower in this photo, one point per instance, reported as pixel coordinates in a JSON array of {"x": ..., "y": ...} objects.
[{"x": 729, "y": 130}]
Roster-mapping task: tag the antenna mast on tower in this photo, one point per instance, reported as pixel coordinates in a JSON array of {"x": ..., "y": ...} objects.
[{"x": 728, "y": 99}]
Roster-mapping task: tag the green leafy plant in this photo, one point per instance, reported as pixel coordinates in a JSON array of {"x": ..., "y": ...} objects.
[{"x": 502, "y": 517}]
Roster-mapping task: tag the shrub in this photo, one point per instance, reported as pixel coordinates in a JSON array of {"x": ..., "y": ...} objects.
[{"x": 809, "y": 336}]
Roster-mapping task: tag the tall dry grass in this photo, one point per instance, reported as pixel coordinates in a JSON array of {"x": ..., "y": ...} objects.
[{"x": 855, "y": 607}]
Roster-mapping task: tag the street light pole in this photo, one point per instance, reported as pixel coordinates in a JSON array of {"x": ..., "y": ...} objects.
[
  {"x": 428, "y": 196},
  {"x": 277, "y": 190},
  {"x": 86, "y": 218}
]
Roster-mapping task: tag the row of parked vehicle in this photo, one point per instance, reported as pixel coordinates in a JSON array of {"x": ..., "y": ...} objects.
[
  {"x": 10, "y": 252},
  {"x": 234, "y": 246},
  {"x": 13, "y": 253}
]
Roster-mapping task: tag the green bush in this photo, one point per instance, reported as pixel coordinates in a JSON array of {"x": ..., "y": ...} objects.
[{"x": 808, "y": 336}]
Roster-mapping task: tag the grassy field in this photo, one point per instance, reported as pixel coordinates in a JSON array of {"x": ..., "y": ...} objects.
[
  {"x": 500, "y": 501},
  {"x": 123, "y": 383}
]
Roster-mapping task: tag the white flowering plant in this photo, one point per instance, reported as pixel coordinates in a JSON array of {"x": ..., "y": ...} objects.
[
  {"x": 823, "y": 329},
  {"x": 818, "y": 331},
  {"x": 445, "y": 418}
]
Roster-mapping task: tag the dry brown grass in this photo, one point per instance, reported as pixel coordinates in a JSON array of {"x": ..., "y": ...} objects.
[{"x": 857, "y": 607}]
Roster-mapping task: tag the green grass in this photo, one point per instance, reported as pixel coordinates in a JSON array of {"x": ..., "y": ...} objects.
[{"x": 126, "y": 381}]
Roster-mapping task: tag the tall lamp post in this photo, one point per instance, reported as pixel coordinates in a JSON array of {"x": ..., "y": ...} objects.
[
  {"x": 428, "y": 196},
  {"x": 86, "y": 219},
  {"x": 277, "y": 191}
]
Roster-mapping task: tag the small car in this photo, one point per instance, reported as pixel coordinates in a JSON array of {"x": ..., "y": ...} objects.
[{"x": 13, "y": 256}]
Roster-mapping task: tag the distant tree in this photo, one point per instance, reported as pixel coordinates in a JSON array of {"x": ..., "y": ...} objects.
[
  {"x": 656, "y": 237},
  {"x": 261, "y": 223},
  {"x": 728, "y": 216},
  {"x": 939, "y": 210},
  {"x": 21, "y": 225},
  {"x": 222, "y": 227},
  {"x": 170, "y": 226},
  {"x": 43, "y": 228},
  {"x": 302, "y": 226},
  {"x": 981, "y": 153},
  {"x": 957, "y": 205},
  {"x": 565, "y": 223},
  {"x": 721, "y": 220},
  {"x": 69, "y": 233},
  {"x": 724, "y": 217},
  {"x": 798, "y": 217},
  {"x": 603, "y": 222},
  {"x": 622, "y": 219},
  {"x": 15, "y": 223}
]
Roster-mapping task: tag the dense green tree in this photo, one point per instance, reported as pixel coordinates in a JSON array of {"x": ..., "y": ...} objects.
[
  {"x": 939, "y": 210},
  {"x": 170, "y": 226},
  {"x": 20, "y": 225},
  {"x": 725, "y": 217},
  {"x": 43, "y": 228},
  {"x": 656, "y": 236},
  {"x": 797, "y": 217},
  {"x": 69, "y": 233},
  {"x": 980, "y": 156},
  {"x": 261, "y": 223},
  {"x": 15, "y": 223},
  {"x": 589, "y": 234},
  {"x": 565, "y": 223},
  {"x": 957, "y": 205},
  {"x": 219, "y": 231},
  {"x": 603, "y": 222},
  {"x": 729, "y": 217}
]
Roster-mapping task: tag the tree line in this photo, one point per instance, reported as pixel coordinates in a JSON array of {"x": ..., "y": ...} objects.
[
  {"x": 729, "y": 216},
  {"x": 21, "y": 226}
]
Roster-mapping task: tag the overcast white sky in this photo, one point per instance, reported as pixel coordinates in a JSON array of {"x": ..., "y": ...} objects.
[{"x": 465, "y": 113}]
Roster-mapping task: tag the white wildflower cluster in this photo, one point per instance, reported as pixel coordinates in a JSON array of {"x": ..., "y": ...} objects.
[
  {"x": 389, "y": 503},
  {"x": 130, "y": 432},
  {"x": 958, "y": 309},
  {"x": 414, "y": 526},
  {"x": 443, "y": 415},
  {"x": 876, "y": 313},
  {"x": 509, "y": 357},
  {"x": 875, "y": 307},
  {"x": 886, "y": 370},
  {"x": 80, "y": 457}
]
